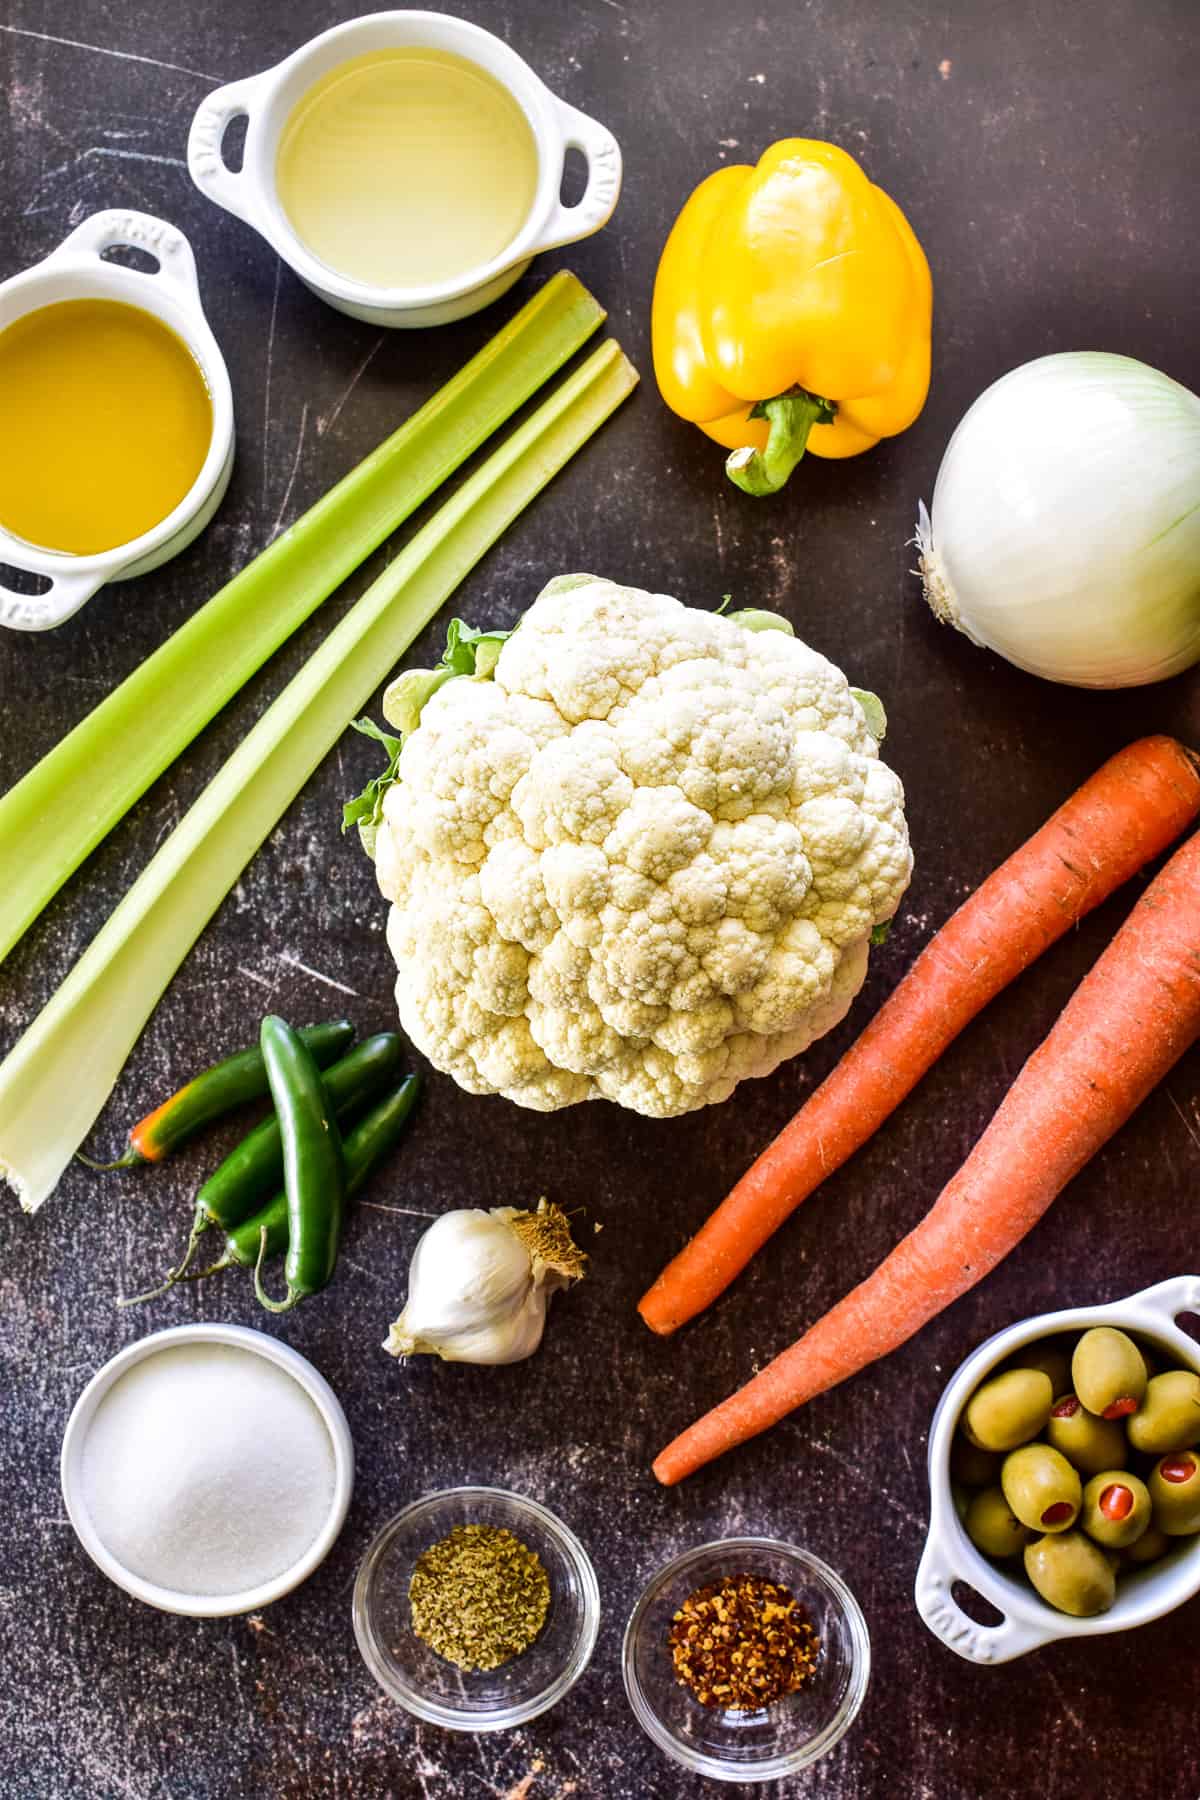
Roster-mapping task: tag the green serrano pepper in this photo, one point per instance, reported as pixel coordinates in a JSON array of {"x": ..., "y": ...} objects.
[
  {"x": 314, "y": 1177},
  {"x": 216, "y": 1091},
  {"x": 253, "y": 1169},
  {"x": 363, "y": 1149}
]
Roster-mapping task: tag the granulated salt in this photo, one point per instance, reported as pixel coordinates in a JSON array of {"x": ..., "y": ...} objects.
[{"x": 207, "y": 1469}]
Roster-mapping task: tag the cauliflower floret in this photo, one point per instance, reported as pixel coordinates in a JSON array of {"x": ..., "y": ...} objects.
[
  {"x": 466, "y": 760},
  {"x": 578, "y": 882},
  {"x": 823, "y": 764},
  {"x": 642, "y": 862},
  {"x": 574, "y": 790},
  {"x": 658, "y": 832},
  {"x": 815, "y": 695},
  {"x": 512, "y": 888},
  {"x": 765, "y": 868},
  {"x": 591, "y": 648},
  {"x": 709, "y": 729}
]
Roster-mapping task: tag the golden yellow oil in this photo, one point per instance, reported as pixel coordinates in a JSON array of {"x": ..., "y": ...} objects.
[
  {"x": 406, "y": 168},
  {"x": 105, "y": 422}
]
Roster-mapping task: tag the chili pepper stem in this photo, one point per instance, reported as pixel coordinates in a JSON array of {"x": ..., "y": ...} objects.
[
  {"x": 218, "y": 1268},
  {"x": 260, "y": 1294},
  {"x": 151, "y": 1293},
  {"x": 200, "y": 1224},
  {"x": 791, "y": 417},
  {"x": 132, "y": 1159}
]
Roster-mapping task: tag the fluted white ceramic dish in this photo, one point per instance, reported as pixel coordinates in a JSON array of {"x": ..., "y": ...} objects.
[
  {"x": 77, "y": 270},
  {"x": 950, "y": 1556},
  {"x": 266, "y": 100}
]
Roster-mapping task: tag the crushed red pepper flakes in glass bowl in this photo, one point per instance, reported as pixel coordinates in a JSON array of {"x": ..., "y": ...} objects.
[
  {"x": 742, "y": 1643},
  {"x": 803, "y": 1659}
]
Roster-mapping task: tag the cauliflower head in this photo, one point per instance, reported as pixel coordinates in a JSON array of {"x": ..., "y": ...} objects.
[{"x": 642, "y": 862}]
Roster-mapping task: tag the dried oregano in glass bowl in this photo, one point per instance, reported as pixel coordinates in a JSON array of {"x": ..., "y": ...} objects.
[
  {"x": 479, "y": 1596},
  {"x": 469, "y": 1541}
]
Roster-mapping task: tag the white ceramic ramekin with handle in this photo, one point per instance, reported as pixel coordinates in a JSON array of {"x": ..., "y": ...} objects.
[
  {"x": 77, "y": 270},
  {"x": 950, "y": 1556},
  {"x": 266, "y": 100}
]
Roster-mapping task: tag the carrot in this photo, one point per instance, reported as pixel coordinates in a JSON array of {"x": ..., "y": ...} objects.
[
  {"x": 1125, "y": 1026},
  {"x": 1121, "y": 818}
]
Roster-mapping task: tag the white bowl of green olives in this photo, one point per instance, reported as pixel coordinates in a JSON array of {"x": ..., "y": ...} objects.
[{"x": 1064, "y": 1477}]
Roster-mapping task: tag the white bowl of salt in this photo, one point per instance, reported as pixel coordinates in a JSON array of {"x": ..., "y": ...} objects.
[{"x": 207, "y": 1469}]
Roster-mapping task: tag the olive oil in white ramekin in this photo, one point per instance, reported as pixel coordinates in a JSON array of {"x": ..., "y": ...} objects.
[
  {"x": 105, "y": 424},
  {"x": 406, "y": 168}
]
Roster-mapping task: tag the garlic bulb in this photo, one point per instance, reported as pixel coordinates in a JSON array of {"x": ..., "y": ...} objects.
[{"x": 479, "y": 1282}]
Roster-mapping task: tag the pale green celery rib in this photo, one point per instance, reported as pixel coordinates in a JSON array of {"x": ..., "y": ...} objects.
[
  {"x": 56, "y": 1079},
  {"x": 64, "y": 806}
]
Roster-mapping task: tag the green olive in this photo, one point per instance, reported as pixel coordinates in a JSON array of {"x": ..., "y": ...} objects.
[
  {"x": 1152, "y": 1544},
  {"x": 1008, "y": 1410},
  {"x": 974, "y": 1467},
  {"x": 1088, "y": 1443},
  {"x": 1072, "y": 1573},
  {"x": 1041, "y": 1487},
  {"x": 1116, "y": 1508},
  {"x": 1175, "y": 1493},
  {"x": 1108, "y": 1373},
  {"x": 1169, "y": 1417},
  {"x": 1052, "y": 1357},
  {"x": 992, "y": 1527}
]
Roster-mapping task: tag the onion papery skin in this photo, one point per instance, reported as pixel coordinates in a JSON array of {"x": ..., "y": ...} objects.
[{"x": 1065, "y": 531}]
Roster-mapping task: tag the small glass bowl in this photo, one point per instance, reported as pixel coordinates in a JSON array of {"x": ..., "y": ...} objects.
[
  {"x": 779, "y": 1740},
  {"x": 422, "y": 1681}
]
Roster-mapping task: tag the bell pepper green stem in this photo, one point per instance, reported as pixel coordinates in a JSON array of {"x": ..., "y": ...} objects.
[{"x": 791, "y": 417}]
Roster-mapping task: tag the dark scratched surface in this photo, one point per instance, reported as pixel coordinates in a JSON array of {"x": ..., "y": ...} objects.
[{"x": 1047, "y": 155}]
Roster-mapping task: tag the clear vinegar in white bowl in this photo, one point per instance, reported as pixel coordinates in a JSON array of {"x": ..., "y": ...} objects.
[{"x": 406, "y": 167}]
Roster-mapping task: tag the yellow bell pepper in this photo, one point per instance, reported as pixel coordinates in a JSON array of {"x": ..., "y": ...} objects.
[{"x": 792, "y": 309}]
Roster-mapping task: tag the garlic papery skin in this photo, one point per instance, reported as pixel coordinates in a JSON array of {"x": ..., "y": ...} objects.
[
  {"x": 479, "y": 1282},
  {"x": 1065, "y": 530}
]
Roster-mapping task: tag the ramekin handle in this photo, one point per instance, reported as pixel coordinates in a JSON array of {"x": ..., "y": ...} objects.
[
  {"x": 567, "y": 224},
  {"x": 117, "y": 228},
  {"x": 1169, "y": 1298},
  {"x": 230, "y": 188},
  {"x": 941, "y": 1612},
  {"x": 41, "y": 612}
]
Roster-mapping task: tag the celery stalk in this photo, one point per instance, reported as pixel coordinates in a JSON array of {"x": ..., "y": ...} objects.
[
  {"x": 70, "y": 800},
  {"x": 56, "y": 1079}
]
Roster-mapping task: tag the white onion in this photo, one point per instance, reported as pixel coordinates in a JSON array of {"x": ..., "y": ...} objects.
[{"x": 1066, "y": 522}]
